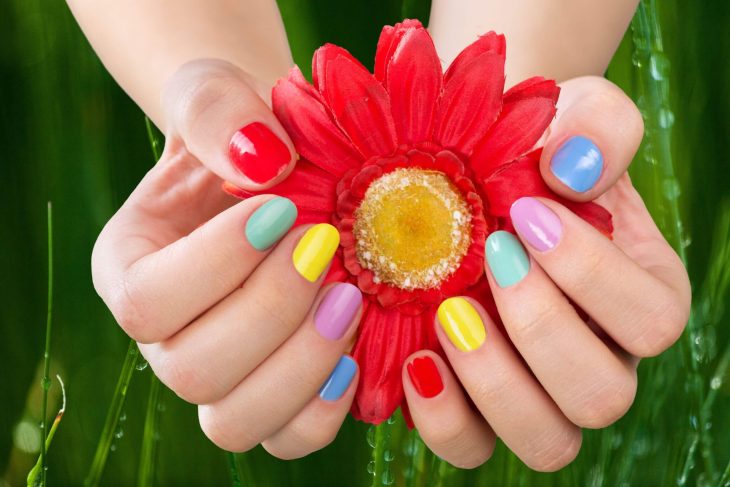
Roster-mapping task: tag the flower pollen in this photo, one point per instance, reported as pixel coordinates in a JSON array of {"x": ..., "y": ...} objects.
[{"x": 412, "y": 228}]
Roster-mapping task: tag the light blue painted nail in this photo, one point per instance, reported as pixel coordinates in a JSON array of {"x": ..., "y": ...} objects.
[
  {"x": 270, "y": 222},
  {"x": 339, "y": 380},
  {"x": 507, "y": 258},
  {"x": 578, "y": 163}
]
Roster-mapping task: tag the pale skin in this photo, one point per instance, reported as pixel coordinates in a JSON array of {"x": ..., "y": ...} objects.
[{"x": 171, "y": 262}]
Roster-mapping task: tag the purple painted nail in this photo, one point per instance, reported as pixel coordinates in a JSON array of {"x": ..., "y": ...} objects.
[
  {"x": 336, "y": 310},
  {"x": 536, "y": 223}
]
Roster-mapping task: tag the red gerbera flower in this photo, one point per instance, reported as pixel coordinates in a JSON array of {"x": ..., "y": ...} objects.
[{"x": 415, "y": 168}]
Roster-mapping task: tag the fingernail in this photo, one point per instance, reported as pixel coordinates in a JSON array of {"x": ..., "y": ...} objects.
[
  {"x": 462, "y": 324},
  {"x": 536, "y": 223},
  {"x": 270, "y": 222},
  {"x": 258, "y": 153},
  {"x": 339, "y": 380},
  {"x": 337, "y": 309},
  {"x": 315, "y": 250},
  {"x": 578, "y": 163},
  {"x": 506, "y": 258},
  {"x": 425, "y": 377}
]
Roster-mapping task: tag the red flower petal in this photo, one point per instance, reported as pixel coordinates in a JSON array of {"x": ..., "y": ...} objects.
[
  {"x": 522, "y": 178},
  {"x": 414, "y": 85},
  {"x": 389, "y": 39},
  {"x": 322, "y": 57},
  {"x": 386, "y": 339},
  {"x": 527, "y": 111},
  {"x": 472, "y": 95},
  {"x": 310, "y": 188},
  {"x": 360, "y": 106},
  {"x": 489, "y": 42},
  {"x": 315, "y": 135}
]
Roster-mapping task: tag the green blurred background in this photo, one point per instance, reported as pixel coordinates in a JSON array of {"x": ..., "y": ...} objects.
[{"x": 70, "y": 135}]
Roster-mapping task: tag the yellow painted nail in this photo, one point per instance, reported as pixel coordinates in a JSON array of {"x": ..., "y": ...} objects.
[
  {"x": 315, "y": 250},
  {"x": 462, "y": 324}
]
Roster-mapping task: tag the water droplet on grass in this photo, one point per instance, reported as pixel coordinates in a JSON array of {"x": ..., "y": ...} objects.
[
  {"x": 142, "y": 365},
  {"x": 370, "y": 436},
  {"x": 715, "y": 383},
  {"x": 387, "y": 478},
  {"x": 371, "y": 467},
  {"x": 671, "y": 189},
  {"x": 659, "y": 66},
  {"x": 388, "y": 456},
  {"x": 666, "y": 118}
]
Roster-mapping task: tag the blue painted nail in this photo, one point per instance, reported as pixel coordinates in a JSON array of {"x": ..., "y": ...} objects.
[
  {"x": 578, "y": 163},
  {"x": 339, "y": 380}
]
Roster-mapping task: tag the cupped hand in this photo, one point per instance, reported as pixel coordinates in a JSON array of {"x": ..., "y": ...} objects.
[
  {"x": 223, "y": 298},
  {"x": 551, "y": 371}
]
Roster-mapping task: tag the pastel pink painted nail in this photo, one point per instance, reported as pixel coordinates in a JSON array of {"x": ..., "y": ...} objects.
[{"x": 536, "y": 223}]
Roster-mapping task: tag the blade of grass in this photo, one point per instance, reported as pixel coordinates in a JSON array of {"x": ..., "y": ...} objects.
[
  {"x": 112, "y": 418},
  {"x": 148, "y": 454},
  {"x": 46, "y": 381},
  {"x": 33, "y": 476}
]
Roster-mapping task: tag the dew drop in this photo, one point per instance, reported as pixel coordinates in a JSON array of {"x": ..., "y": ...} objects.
[
  {"x": 388, "y": 456},
  {"x": 142, "y": 365},
  {"x": 371, "y": 467},
  {"x": 123, "y": 417},
  {"x": 715, "y": 383},
  {"x": 387, "y": 478},
  {"x": 113, "y": 448},
  {"x": 666, "y": 118},
  {"x": 370, "y": 436},
  {"x": 671, "y": 189},
  {"x": 659, "y": 66}
]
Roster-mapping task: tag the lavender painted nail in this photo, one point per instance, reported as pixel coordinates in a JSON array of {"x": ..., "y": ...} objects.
[
  {"x": 336, "y": 310},
  {"x": 536, "y": 223}
]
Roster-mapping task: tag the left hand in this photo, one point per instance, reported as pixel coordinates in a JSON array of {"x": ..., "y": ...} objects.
[{"x": 562, "y": 374}]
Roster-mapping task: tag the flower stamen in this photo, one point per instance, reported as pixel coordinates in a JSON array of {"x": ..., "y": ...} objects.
[{"x": 413, "y": 228}]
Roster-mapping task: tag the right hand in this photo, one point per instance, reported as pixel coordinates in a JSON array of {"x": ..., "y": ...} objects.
[{"x": 208, "y": 287}]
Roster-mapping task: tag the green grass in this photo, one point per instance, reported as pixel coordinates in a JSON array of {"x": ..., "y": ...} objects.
[{"x": 69, "y": 135}]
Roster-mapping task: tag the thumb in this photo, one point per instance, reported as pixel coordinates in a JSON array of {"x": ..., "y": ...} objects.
[
  {"x": 213, "y": 107},
  {"x": 593, "y": 139}
]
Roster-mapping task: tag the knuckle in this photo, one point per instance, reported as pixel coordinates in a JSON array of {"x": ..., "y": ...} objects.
[
  {"x": 184, "y": 378},
  {"x": 447, "y": 436},
  {"x": 127, "y": 303},
  {"x": 300, "y": 440},
  {"x": 532, "y": 329},
  {"x": 200, "y": 98},
  {"x": 605, "y": 404},
  {"x": 220, "y": 432},
  {"x": 555, "y": 451},
  {"x": 660, "y": 328}
]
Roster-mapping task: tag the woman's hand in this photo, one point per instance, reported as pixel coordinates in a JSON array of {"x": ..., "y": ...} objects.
[
  {"x": 224, "y": 301},
  {"x": 563, "y": 373}
]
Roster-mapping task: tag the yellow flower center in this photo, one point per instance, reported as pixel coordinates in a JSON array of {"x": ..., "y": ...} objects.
[{"x": 413, "y": 228}]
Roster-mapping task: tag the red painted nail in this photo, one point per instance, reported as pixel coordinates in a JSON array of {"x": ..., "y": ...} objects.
[
  {"x": 425, "y": 376},
  {"x": 258, "y": 153}
]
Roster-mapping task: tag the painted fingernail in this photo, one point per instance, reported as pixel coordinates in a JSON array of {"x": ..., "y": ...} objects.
[
  {"x": 339, "y": 380},
  {"x": 270, "y": 222},
  {"x": 425, "y": 376},
  {"x": 462, "y": 324},
  {"x": 258, "y": 153},
  {"x": 577, "y": 163},
  {"x": 336, "y": 311},
  {"x": 536, "y": 223},
  {"x": 507, "y": 258},
  {"x": 315, "y": 250}
]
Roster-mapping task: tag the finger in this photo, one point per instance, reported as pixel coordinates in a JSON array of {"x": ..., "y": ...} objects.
[
  {"x": 274, "y": 394},
  {"x": 643, "y": 313},
  {"x": 440, "y": 411},
  {"x": 593, "y": 139},
  {"x": 316, "y": 426},
  {"x": 224, "y": 123},
  {"x": 155, "y": 291},
  {"x": 590, "y": 384},
  {"x": 514, "y": 404},
  {"x": 204, "y": 361}
]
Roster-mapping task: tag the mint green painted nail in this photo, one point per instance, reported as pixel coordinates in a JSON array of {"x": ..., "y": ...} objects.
[
  {"x": 506, "y": 258},
  {"x": 270, "y": 222}
]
